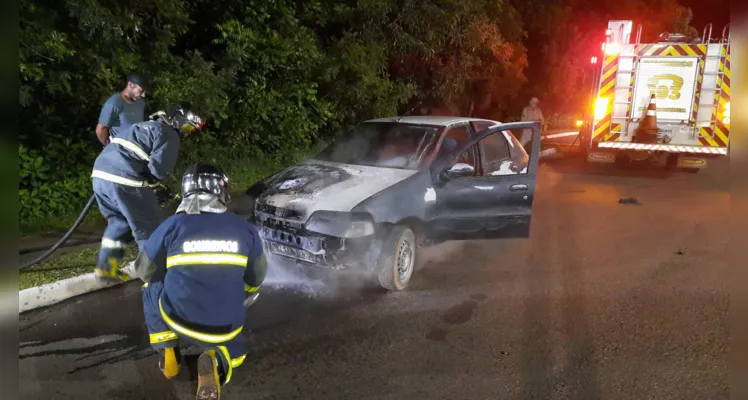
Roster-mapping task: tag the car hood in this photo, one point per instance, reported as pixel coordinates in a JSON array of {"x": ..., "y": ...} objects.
[{"x": 319, "y": 185}]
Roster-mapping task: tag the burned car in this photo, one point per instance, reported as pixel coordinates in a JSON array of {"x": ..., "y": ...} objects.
[{"x": 389, "y": 186}]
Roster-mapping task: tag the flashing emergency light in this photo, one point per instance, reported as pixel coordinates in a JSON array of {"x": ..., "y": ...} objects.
[
  {"x": 601, "y": 107},
  {"x": 579, "y": 123}
]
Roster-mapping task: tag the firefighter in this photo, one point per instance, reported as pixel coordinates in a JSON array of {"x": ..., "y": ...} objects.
[
  {"x": 123, "y": 176},
  {"x": 199, "y": 266}
]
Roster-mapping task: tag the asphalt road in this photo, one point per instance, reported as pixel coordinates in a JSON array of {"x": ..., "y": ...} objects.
[{"x": 604, "y": 301}]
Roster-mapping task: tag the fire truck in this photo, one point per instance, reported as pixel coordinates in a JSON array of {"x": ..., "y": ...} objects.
[{"x": 687, "y": 79}]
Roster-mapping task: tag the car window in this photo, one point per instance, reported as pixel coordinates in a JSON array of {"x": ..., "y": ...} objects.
[
  {"x": 516, "y": 138},
  {"x": 518, "y": 152},
  {"x": 502, "y": 155},
  {"x": 454, "y": 139},
  {"x": 459, "y": 133},
  {"x": 479, "y": 126},
  {"x": 383, "y": 144}
]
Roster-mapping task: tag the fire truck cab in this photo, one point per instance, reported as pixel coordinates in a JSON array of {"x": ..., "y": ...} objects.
[{"x": 688, "y": 80}]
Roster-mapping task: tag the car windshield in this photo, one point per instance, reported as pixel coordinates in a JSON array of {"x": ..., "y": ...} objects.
[{"x": 383, "y": 144}]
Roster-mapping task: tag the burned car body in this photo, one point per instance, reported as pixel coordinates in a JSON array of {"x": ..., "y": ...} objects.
[{"x": 388, "y": 186}]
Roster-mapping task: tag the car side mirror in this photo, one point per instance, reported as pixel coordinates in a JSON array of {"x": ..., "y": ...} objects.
[{"x": 459, "y": 170}]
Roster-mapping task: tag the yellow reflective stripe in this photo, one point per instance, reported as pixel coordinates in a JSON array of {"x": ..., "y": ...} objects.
[
  {"x": 132, "y": 147},
  {"x": 145, "y": 285},
  {"x": 235, "y": 362},
  {"x": 161, "y": 337},
  {"x": 117, "y": 179},
  {"x": 225, "y": 352},
  {"x": 205, "y": 337},
  {"x": 251, "y": 289},
  {"x": 207, "y": 258}
]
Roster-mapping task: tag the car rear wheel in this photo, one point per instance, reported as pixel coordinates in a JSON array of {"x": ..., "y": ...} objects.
[{"x": 397, "y": 259}]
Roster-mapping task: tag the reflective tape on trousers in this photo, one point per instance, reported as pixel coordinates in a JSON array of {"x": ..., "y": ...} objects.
[
  {"x": 117, "y": 179},
  {"x": 112, "y": 244},
  {"x": 205, "y": 337}
]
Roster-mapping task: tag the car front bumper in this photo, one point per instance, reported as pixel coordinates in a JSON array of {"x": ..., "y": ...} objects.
[{"x": 308, "y": 248}]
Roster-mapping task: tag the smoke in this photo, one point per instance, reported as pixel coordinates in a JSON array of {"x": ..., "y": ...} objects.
[
  {"x": 320, "y": 282},
  {"x": 440, "y": 254},
  {"x": 285, "y": 274},
  {"x": 314, "y": 281}
]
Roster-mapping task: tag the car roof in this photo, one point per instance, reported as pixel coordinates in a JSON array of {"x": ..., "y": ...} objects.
[{"x": 430, "y": 120}]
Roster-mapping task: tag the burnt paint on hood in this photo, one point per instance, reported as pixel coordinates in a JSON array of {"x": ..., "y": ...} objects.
[
  {"x": 304, "y": 179},
  {"x": 320, "y": 185}
]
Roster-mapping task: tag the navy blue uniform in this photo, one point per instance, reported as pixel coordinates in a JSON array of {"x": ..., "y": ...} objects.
[
  {"x": 202, "y": 266},
  {"x": 140, "y": 155}
]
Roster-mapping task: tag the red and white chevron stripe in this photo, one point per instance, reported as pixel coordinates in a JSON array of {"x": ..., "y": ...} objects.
[{"x": 664, "y": 147}]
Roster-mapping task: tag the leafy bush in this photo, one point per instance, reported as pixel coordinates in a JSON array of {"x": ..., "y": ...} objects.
[{"x": 53, "y": 180}]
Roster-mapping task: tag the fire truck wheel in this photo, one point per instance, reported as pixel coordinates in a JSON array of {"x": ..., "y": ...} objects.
[{"x": 397, "y": 259}]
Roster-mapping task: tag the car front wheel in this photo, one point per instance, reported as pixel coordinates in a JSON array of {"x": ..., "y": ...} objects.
[{"x": 397, "y": 259}]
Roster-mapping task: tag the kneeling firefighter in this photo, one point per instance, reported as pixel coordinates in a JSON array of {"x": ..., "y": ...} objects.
[
  {"x": 201, "y": 268},
  {"x": 123, "y": 176}
]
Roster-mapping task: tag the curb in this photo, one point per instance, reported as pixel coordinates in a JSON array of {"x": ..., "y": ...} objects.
[{"x": 55, "y": 292}]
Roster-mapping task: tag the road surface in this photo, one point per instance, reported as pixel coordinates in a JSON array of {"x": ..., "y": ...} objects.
[{"x": 604, "y": 301}]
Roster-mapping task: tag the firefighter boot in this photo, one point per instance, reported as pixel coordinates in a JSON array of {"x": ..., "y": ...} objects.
[
  {"x": 169, "y": 361},
  {"x": 114, "y": 274},
  {"x": 208, "y": 376}
]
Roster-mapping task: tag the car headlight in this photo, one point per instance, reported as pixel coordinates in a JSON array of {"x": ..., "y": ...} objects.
[
  {"x": 359, "y": 229},
  {"x": 341, "y": 224}
]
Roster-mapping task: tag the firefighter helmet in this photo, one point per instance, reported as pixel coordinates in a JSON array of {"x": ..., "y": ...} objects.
[
  {"x": 183, "y": 120},
  {"x": 208, "y": 179}
]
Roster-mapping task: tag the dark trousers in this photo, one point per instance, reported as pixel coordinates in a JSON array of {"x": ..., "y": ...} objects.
[
  {"x": 162, "y": 334},
  {"x": 130, "y": 212}
]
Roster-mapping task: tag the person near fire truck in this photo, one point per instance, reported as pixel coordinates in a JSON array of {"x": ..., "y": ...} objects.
[{"x": 531, "y": 112}]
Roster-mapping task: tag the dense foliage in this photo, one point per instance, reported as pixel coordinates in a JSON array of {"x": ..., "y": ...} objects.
[{"x": 274, "y": 77}]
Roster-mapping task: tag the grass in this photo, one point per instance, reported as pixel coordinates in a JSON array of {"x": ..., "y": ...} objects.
[
  {"x": 61, "y": 223},
  {"x": 66, "y": 265}
]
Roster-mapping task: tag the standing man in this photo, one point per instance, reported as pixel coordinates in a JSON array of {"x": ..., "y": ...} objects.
[
  {"x": 122, "y": 109},
  {"x": 531, "y": 113},
  {"x": 201, "y": 267},
  {"x": 139, "y": 157}
]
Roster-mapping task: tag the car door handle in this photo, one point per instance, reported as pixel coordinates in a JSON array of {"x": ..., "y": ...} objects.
[{"x": 517, "y": 188}]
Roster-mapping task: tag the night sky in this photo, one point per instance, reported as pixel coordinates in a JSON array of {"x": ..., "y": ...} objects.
[{"x": 705, "y": 11}]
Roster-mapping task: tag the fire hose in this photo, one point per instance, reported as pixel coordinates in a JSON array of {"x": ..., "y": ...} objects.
[
  {"x": 63, "y": 239},
  {"x": 163, "y": 195}
]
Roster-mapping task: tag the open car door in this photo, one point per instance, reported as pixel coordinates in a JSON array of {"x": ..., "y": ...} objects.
[{"x": 493, "y": 197}]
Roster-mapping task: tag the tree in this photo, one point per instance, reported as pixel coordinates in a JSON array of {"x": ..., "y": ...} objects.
[{"x": 564, "y": 34}]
